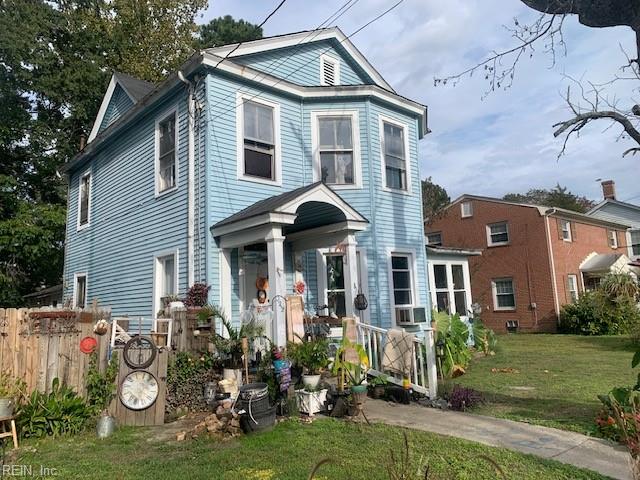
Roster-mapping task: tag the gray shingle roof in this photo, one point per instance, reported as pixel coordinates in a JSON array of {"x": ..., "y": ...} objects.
[
  {"x": 600, "y": 262},
  {"x": 135, "y": 87}
]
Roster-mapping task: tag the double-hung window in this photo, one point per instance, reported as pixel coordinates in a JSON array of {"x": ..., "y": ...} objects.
[
  {"x": 402, "y": 284},
  {"x": 635, "y": 242},
  {"x": 336, "y": 150},
  {"x": 497, "y": 234},
  {"x": 166, "y": 153},
  {"x": 466, "y": 209},
  {"x": 434, "y": 239},
  {"x": 565, "y": 230},
  {"x": 572, "y": 287},
  {"x": 504, "y": 297},
  {"x": 395, "y": 155},
  {"x": 166, "y": 278},
  {"x": 450, "y": 288},
  {"x": 613, "y": 238},
  {"x": 80, "y": 290},
  {"x": 259, "y": 160},
  {"x": 335, "y": 285},
  {"x": 84, "y": 200}
]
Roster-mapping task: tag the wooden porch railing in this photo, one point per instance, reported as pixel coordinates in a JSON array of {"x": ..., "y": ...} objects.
[{"x": 423, "y": 375}]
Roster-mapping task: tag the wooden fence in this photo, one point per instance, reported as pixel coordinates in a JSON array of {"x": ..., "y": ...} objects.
[{"x": 38, "y": 345}]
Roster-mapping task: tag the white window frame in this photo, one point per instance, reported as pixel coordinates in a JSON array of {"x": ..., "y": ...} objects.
[
  {"x": 82, "y": 177},
  {"x": 382, "y": 119},
  {"x": 462, "y": 212},
  {"x": 630, "y": 242},
  {"x": 315, "y": 143},
  {"x": 572, "y": 281},
  {"x": 241, "y": 98},
  {"x": 490, "y": 242},
  {"x": 565, "y": 227},
  {"x": 156, "y": 276},
  {"x": 612, "y": 238},
  {"x": 159, "y": 120},
  {"x": 494, "y": 294},
  {"x": 76, "y": 276},
  {"x": 336, "y": 69},
  {"x": 431, "y": 235},
  {"x": 466, "y": 279},
  {"x": 413, "y": 265}
]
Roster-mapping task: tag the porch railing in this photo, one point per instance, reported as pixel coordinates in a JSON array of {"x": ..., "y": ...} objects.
[{"x": 423, "y": 374}]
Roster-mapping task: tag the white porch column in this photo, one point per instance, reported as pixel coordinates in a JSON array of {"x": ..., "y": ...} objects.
[
  {"x": 350, "y": 274},
  {"x": 226, "y": 287},
  {"x": 277, "y": 285}
]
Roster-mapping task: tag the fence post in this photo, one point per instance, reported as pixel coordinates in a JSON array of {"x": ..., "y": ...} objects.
[
  {"x": 180, "y": 330},
  {"x": 432, "y": 372}
]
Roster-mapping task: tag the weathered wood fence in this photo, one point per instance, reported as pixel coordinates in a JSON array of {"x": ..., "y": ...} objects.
[{"x": 38, "y": 345}]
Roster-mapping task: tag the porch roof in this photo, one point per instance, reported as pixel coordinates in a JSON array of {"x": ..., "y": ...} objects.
[{"x": 600, "y": 262}]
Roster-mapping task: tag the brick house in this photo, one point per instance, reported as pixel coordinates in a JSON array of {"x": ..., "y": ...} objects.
[{"x": 534, "y": 258}]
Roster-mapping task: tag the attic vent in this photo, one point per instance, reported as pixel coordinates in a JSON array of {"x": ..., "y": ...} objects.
[{"x": 329, "y": 71}]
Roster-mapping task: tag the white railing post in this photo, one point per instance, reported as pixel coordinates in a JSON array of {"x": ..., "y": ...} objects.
[{"x": 432, "y": 372}]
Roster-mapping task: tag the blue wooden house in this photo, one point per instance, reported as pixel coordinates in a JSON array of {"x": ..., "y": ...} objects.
[{"x": 288, "y": 158}]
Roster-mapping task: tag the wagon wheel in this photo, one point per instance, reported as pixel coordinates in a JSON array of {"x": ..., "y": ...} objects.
[{"x": 136, "y": 350}]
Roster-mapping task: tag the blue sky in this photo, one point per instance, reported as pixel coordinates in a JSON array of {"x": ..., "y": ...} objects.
[{"x": 503, "y": 143}]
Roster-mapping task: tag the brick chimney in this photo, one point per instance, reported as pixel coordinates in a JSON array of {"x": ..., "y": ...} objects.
[{"x": 609, "y": 189}]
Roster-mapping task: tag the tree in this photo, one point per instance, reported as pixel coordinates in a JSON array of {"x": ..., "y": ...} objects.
[
  {"x": 558, "y": 196},
  {"x": 592, "y": 102},
  {"x": 434, "y": 199},
  {"x": 226, "y": 30}
]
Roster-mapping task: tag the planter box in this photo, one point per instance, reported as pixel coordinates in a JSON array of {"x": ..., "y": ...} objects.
[{"x": 311, "y": 402}]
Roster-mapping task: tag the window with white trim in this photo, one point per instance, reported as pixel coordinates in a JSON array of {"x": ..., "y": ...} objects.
[
  {"x": 572, "y": 287},
  {"x": 565, "y": 227},
  {"x": 336, "y": 150},
  {"x": 402, "y": 285},
  {"x": 613, "y": 238},
  {"x": 635, "y": 242},
  {"x": 466, "y": 209},
  {"x": 395, "y": 156},
  {"x": 497, "y": 234},
  {"x": 329, "y": 71},
  {"x": 80, "y": 290},
  {"x": 166, "y": 132},
  {"x": 434, "y": 239},
  {"x": 336, "y": 300},
  {"x": 166, "y": 278},
  {"x": 84, "y": 200},
  {"x": 259, "y": 141},
  {"x": 504, "y": 297},
  {"x": 450, "y": 288}
]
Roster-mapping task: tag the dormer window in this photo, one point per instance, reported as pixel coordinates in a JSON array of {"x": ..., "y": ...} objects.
[{"x": 329, "y": 71}]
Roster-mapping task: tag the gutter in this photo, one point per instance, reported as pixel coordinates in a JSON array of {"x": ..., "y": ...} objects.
[{"x": 552, "y": 264}]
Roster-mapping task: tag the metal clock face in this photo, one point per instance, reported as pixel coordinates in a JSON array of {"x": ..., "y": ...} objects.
[{"x": 139, "y": 390}]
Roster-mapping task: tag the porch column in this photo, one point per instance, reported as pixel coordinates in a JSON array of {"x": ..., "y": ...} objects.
[
  {"x": 277, "y": 286},
  {"x": 226, "y": 287},
  {"x": 350, "y": 275}
]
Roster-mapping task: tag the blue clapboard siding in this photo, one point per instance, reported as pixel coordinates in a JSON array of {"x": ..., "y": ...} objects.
[
  {"x": 128, "y": 224},
  {"x": 119, "y": 104},
  {"x": 301, "y": 63}
]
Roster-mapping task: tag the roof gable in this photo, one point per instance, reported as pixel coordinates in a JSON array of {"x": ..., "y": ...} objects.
[{"x": 281, "y": 55}]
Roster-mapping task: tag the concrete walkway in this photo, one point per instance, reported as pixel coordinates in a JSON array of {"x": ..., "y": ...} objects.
[{"x": 566, "y": 447}]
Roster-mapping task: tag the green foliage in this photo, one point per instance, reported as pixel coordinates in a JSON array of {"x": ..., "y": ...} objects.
[
  {"x": 610, "y": 309},
  {"x": 452, "y": 334},
  {"x": 558, "y": 196},
  {"x": 230, "y": 347},
  {"x": 434, "y": 199},
  {"x": 186, "y": 376},
  {"x": 356, "y": 372},
  {"x": 226, "y": 30},
  {"x": 625, "y": 400},
  {"x": 57, "y": 413},
  {"x": 10, "y": 387},
  {"x": 101, "y": 387},
  {"x": 485, "y": 339},
  {"x": 311, "y": 355}
]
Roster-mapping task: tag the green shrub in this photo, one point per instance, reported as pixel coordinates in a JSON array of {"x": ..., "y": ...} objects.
[
  {"x": 484, "y": 338},
  {"x": 57, "y": 413},
  {"x": 186, "y": 376},
  {"x": 101, "y": 387},
  {"x": 311, "y": 355},
  {"x": 452, "y": 335}
]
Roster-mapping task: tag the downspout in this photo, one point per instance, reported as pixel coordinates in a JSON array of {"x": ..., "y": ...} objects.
[
  {"x": 190, "y": 179},
  {"x": 552, "y": 264}
]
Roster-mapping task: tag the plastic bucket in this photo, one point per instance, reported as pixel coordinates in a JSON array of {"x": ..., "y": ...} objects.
[{"x": 259, "y": 422}]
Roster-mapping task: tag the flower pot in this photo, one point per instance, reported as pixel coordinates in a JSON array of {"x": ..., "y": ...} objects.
[
  {"x": 106, "y": 426},
  {"x": 359, "y": 394},
  {"x": 311, "y": 382},
  {"x": 377, "y": 391},
  {"x": 233, "y": 374},
  {"x": 6, "y": 406}
]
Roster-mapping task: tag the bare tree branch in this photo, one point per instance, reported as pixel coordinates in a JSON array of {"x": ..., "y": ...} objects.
[{"x": 582, "y": 119}]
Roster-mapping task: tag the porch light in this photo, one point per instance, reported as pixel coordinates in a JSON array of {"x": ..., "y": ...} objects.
[{"x": 440, "y": 348}]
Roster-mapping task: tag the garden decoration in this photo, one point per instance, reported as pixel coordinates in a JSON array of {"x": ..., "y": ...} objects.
[
  {"x": 139, "y": 352},
  {"x": 360, "y": 302},
  {"x": 299, "y": 287},
  {"x": 352, "y": 361},
  {"x": 88, "y": 345},
  {"x": 101, "y": 327},
  {"x": 139, "y": 390}
]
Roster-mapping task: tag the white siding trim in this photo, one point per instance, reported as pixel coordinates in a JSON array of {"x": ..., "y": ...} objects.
[
  {"x": 87, "y": 173},
  {"x": 75, "y": 288},
  {"x": 176, "y": 266},
  {"x": 241, "y": 98},
  {"x": 357, "y": 153},
  {"x": 103, "y": 108},
  {"x": 413, "y": 262},
  {"x": 156, "y": 151},
  {"x": 336, "y": 69},
  {"x": 407, "y": 153}
]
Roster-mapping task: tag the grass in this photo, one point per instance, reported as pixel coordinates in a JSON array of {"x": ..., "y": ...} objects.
[
  {"x": 559, "y": 378},
  {"x": 286, "y": 453}
]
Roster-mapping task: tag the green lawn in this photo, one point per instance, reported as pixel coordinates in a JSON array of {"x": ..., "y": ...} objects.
[
  {"x": 559, "y": 378},
  {"x": 286, "y": 453}
]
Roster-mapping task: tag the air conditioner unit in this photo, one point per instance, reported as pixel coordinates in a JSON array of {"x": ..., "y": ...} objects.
[{"x": 411, "y": 315}]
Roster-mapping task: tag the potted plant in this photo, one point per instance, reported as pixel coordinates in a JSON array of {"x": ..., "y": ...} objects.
[
  {"x": 12, "y": 392},
  {"x": 230, "y": 347},
  {"x": 377, "y": 386},
  {"x": 312, "y": 355},
  {"x": 355, "y": 371},
  {"x": 101, "y": 390}
]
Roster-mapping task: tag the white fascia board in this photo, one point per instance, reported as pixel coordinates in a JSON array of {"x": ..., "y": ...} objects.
[
  {"x": 323, "y": 194},
  {"x": 294, "y": 39},
  {"x": 269, "y": 81},
  {"x": 265, "y": 218},
  {"x": 103, "y": 108}
]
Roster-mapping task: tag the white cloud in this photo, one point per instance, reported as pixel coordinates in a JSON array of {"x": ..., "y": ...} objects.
[{"x": 493, "y": 146}]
